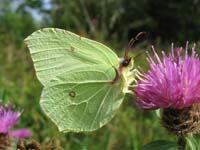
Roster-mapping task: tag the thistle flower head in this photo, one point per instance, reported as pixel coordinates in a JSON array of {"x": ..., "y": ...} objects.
[
  {"x": 171, "y": 82},
  {"x": 9, "y": 118}
]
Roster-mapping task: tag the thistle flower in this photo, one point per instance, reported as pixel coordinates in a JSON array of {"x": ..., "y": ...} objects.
[
  {"x": 173, "y": 84},
  {"x": 9, "y": 118}
]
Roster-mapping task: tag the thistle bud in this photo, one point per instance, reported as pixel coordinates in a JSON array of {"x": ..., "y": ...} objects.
[
  {"x": 5, "y": 141},
  {"x": 182, "y": 122}
]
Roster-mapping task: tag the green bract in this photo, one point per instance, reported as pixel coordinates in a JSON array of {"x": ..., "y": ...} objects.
[{"x": 81, "y": 89}]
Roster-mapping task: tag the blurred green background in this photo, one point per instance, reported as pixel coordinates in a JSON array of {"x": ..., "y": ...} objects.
[{"x": 112, "y": 22}]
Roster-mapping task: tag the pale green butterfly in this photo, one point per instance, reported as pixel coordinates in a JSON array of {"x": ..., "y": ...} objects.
[{"x": 84, "y": 81}]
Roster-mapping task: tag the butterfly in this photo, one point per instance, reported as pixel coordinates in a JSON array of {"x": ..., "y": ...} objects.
[{"x": 84, "y": 81}]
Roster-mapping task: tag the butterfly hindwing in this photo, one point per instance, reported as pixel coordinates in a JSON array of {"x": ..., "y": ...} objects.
[{"x": 82, "y": 100}]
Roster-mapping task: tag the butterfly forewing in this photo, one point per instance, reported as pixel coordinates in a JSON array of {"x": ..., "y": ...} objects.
[{"x": 55, "y": 51}]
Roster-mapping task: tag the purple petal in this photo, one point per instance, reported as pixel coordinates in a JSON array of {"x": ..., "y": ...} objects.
[
  {"x": 173, "y": 81},
  {"x": 21, "y": 133},
  {"x": 8, "y": 119}
]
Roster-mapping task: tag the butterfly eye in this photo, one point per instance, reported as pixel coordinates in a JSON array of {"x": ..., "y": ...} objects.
[{"x": 126, "y": 62}]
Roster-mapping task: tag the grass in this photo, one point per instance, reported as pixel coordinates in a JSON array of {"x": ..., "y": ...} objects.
[{"x": 129, "y": 130}]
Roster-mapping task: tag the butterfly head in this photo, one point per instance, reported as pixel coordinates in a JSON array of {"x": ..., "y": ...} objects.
[{"x": 127, "y": 63}]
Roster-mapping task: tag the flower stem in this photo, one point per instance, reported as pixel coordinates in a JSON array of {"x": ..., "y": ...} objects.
[{"x": 181, "y": 142}]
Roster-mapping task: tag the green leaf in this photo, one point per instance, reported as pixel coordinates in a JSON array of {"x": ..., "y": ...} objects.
[
  {"x": 161, "y": 145},
  {"x": 158, "y": 113},
  {"x": 192, "y": 143},
  {"x": 14, "y": 144}
]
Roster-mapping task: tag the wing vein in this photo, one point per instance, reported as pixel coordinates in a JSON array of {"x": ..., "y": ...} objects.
[{"x": 102, "y": 102}]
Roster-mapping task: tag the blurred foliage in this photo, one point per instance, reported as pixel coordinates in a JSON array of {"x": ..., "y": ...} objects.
[
  {"x": 14, "y": 25},
  {"x": 112, "y": 22},
  {"x": 120, "y": 20}
]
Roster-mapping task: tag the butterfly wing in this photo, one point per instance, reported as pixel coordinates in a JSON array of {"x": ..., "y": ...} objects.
[
  {"x": 82, "y": 100},
  {"x": 55, "y": 51},
  {"x": 77, "y": 75}
]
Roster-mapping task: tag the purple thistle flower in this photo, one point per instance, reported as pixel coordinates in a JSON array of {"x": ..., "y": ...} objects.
[
  {"x": 21, "y": 133},
  {"x": 173, "y": 82},
  {"x": 9, "y": 118}
]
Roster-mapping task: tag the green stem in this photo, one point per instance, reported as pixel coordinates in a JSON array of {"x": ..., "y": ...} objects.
[{"x": 181, "y": 142}]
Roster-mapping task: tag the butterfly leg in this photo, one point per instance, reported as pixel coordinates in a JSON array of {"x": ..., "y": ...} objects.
[{"x": 132, "y": 75}]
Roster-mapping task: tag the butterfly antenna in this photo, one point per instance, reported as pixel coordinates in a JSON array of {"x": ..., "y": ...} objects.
[{"x": 131, "y": 43}]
